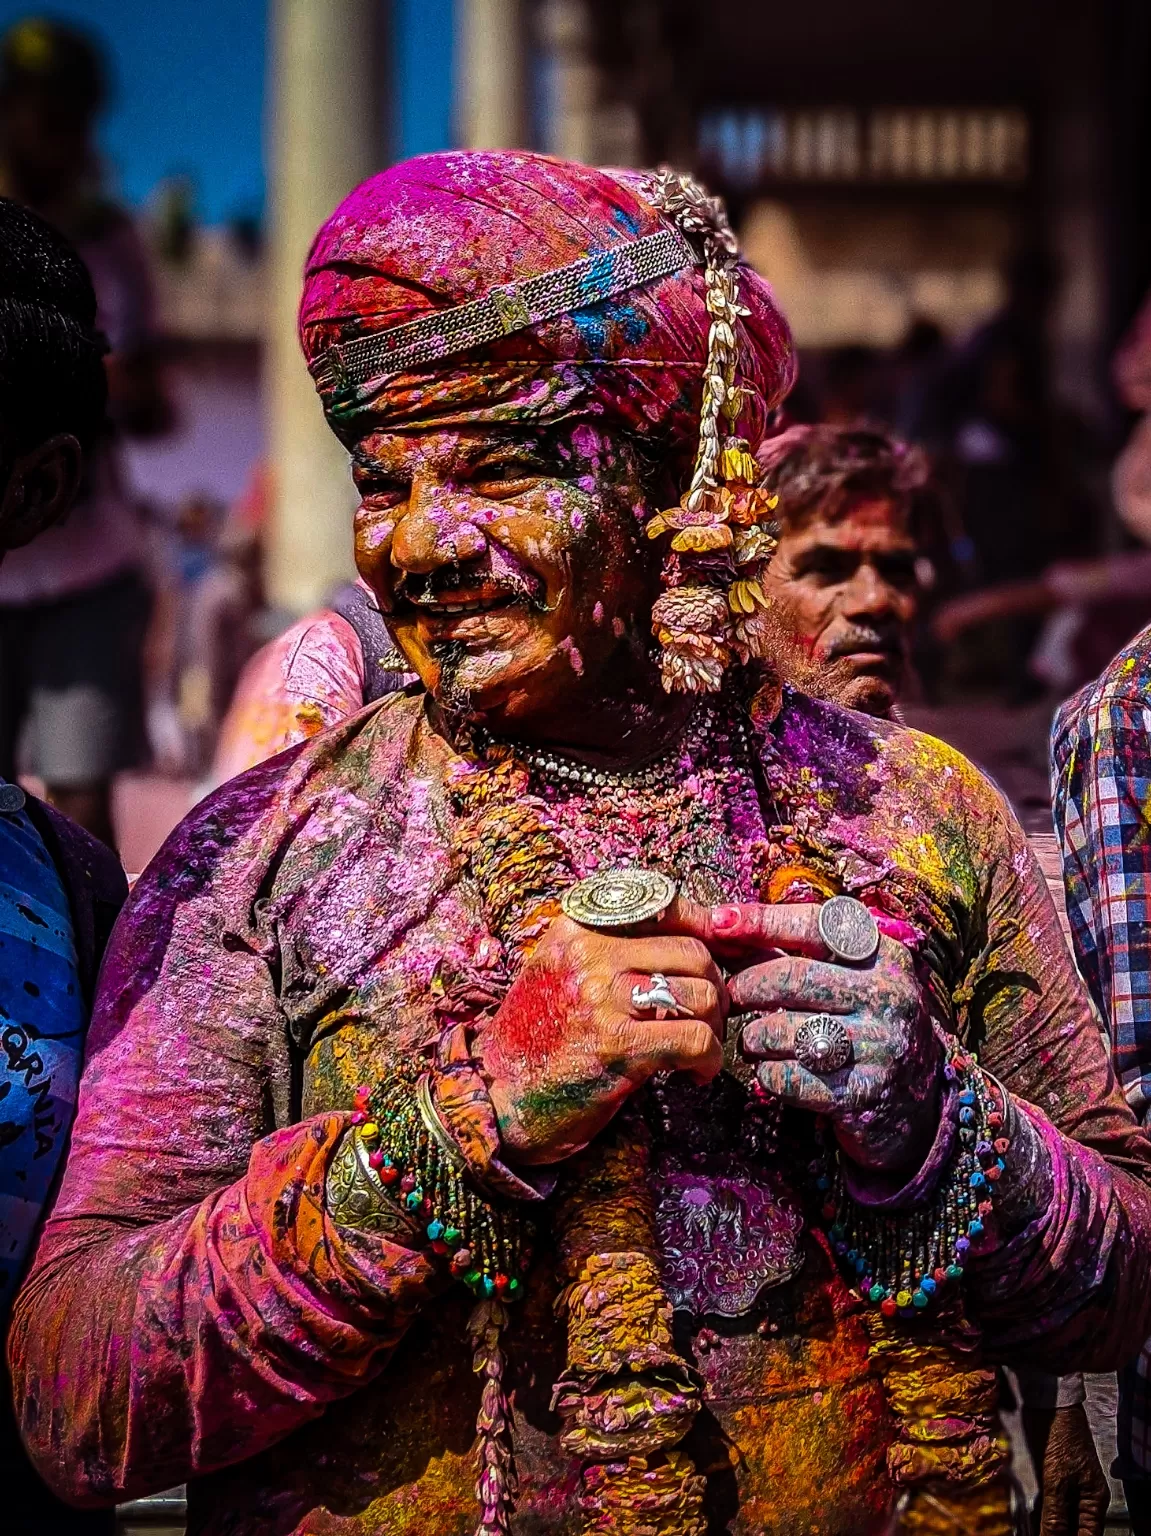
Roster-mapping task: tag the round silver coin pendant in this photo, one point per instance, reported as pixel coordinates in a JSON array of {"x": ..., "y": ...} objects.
[
  {"x": 618, "y": 898},
  {"x": 848, "y": 929}
]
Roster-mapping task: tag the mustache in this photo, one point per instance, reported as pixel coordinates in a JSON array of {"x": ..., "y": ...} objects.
[
  {"x": 866, "y": 637},
  {"x": 501, "y": 578}
]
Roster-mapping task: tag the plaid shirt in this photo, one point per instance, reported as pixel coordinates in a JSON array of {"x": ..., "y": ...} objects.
[
  {"x": 1101, "y": 793},
  {"x": 1101, "y": 789}
]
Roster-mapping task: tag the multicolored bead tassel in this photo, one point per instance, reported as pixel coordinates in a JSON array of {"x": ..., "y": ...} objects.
[
  {"x": 486, "y": 1245},
  {"x": 901, "y": 1263}
]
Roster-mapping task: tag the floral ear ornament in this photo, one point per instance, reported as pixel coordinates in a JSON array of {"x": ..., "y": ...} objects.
[{"x": 722, "y": 532}]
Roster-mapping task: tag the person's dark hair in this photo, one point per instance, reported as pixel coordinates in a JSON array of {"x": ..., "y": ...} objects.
[
  {"x": 823, "y": 469},
  {"x": 51, "y": 354},
  {"x": 39, "y": 54}
]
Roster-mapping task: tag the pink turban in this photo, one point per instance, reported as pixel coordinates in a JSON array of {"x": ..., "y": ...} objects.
[{"x": 440, "y": 230}]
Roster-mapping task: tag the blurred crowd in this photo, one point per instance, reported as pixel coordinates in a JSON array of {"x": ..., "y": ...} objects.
[
  {"x": 1021, "y": 604},
  {"x": 140, "y": 617}
]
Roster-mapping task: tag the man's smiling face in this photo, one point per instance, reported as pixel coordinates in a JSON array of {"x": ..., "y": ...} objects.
[{"x": 511, "y": 567}]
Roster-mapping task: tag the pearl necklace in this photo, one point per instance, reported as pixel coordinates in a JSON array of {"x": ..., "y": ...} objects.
[{"x": 554, "y": 766}]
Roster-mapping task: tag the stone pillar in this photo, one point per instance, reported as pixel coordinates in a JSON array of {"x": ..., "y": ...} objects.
[
  {"x": 490, "y": 75},
  {"x": 325, "y": 136},
  {"x": 570, "y": 82}
]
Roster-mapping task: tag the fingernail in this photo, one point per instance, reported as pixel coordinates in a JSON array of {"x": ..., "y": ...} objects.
[{"x": 724, "y": 919}]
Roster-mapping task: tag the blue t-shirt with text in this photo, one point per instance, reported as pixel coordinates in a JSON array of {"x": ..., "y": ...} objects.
[{"x": 42, "y": 1025}]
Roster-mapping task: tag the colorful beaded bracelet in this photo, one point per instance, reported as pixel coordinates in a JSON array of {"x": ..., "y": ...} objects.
[
  {"x": 412, "y": 1155},
  {"x": 901, "y": 1261}
]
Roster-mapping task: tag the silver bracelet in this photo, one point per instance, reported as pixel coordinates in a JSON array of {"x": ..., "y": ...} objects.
[{"x": 356, "y": 1197}]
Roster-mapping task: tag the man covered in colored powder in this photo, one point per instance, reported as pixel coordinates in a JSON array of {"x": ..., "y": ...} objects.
[
  {"x": 549, "y": 1100},
  {"x": 60, "y": 889}
]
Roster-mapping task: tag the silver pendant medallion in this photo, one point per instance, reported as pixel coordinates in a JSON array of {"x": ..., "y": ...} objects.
[{"x": 725, "y": 1237}]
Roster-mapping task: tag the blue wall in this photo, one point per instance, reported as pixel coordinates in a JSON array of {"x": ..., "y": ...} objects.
[
  {"x": 423, "y": 53},
  {"x": 189, "y": 89}
]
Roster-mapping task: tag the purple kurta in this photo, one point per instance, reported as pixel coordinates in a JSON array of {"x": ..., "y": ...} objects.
[{"x": 193, "y": 1314}]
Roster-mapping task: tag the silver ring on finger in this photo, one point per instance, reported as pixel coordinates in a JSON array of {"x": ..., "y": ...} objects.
[
  {"x": 849, "y": 930},
  {"x": 658, "y": 996},
  {"x": 822, "y": 1044}
]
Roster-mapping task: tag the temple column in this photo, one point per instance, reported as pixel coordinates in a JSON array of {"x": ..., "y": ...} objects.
[
  {"x": 325, "y": 135},
  {"x": 490, "y": 75},
  {"x": 570, "y": 82}
]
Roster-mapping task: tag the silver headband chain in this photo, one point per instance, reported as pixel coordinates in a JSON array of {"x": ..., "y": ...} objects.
[{"x": 365, "y": 360}]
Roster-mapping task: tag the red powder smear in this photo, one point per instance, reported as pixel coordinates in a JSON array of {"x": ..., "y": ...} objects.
[{"x": 534, "y": 1018}]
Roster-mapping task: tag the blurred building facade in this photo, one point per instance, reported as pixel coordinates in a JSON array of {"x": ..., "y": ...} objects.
[
  {"x": 888, "y": 167},
  {"x": 887, "y": 161}
]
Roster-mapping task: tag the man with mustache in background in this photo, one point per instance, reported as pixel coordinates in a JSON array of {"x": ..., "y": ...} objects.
[
  {"x": 845, "y": 581},
  {"x": 845, "y": 587}
]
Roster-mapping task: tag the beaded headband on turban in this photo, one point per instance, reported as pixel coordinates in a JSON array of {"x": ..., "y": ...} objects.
[
  {"x": 496, "y": 287},
  {"x": 363, "y": 361}
]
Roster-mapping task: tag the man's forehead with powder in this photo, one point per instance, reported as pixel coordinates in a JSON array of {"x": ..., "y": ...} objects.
[{"x": 563, "y": 449}]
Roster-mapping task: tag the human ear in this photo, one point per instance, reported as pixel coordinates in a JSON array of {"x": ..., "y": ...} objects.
[{"x": 42, "y": 485}]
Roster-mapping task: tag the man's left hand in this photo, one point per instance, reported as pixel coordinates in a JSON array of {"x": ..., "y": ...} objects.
[{"x": 885, "y": 1102}]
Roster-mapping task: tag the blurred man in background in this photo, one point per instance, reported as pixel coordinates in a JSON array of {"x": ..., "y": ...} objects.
[
  {"x": 322, "y": 669},
  {"x": 74, "y": 607},
  {"x": 59, "y": 889},
  {"x": 846, "y": 584},
  {"x": 846, "y": 580}
]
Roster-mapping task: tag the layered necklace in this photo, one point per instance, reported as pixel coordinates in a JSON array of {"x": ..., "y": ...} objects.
[
  {"x": 677, "y": 812},
  {"x": 530, "y": 824}
]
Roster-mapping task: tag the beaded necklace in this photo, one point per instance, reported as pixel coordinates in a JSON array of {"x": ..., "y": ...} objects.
[
  {"x": 673, "y": 818},
  {"x": 627, "y": 1396}
]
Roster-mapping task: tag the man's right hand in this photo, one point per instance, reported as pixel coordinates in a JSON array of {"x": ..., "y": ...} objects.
[
  {"x": 567, "y": 1047},
  {"x": 1074, "y": 1494}
]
